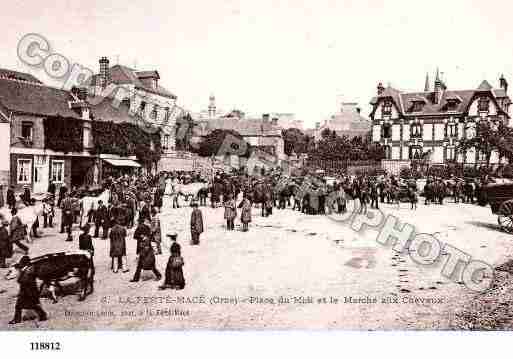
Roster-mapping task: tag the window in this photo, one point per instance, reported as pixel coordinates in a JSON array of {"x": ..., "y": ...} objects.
[
  {"x": 387, "y": 107},
  {"x": 165, "y": 142},
  {"x": 26, "y": 130},
  {"x": 481, "y": 156},
  {"x": 416, "y": 130},
  {"x": 451, "y": 153},
  {"x": 417, "y": 106},
  {"x": 142, "y": 108},
  {"x": 451, "y": 105},
  {"x": 168, "y": 113},
  {"x": 451, "y": 130},
  {"x": 153, "y": 114},
  {"x": 58, "y": 171},
  {"x": 483, "y": 104},
  {"x": 126, "y": 102},
  {"x": 387, "y": 131},
  {"x": 24, "y": 173}
]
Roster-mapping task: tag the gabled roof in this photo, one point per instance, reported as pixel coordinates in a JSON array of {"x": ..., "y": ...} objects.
[
  {"x": 246, "y": 127},
  {"x": 123, "y": 75},
  {"x": 147, "y": 74},
  {"x": 16, "y": 75},
  {"x": 485, "y": 86},
  {"x": 36, "y": 99},
  {"x": 404, "y": 100}
]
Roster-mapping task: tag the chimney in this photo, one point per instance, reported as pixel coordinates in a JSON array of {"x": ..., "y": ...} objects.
[
  {"x": 317, "y": 125},
  {"x": 274, "y": 121},
  {"x": 380, "y": 88},
  {"x": 104, "y": 72},
  {"x": 503, "y": 84},
  {"x": 212, "y": 106},
  {"x": 265, "y": 117}
]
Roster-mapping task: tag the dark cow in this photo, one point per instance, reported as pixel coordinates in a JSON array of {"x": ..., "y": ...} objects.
[{"x": 54, "y": 268}]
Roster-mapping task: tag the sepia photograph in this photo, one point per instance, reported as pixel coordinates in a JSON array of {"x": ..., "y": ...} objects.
[{"x": 237, "y": 165}]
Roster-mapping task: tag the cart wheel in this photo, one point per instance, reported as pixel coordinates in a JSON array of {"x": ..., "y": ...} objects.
[{"x": 505, "y": 218}]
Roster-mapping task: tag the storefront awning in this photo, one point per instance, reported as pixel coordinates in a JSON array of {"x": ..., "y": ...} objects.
[{"x": 122, "y": 163}]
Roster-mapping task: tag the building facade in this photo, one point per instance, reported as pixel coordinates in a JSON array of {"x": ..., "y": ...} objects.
[
  {"x": 28, "y": 156},
  {"x": 430, "y": 124},
  {"x": 142, "y": 94},
  {"x": 347, "y": 122}
]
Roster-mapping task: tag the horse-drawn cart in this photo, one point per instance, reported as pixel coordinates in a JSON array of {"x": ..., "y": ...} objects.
[{"x": 500, "y": 197}]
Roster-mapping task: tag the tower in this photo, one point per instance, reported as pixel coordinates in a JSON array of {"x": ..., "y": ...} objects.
[
  {"x": 426, "y": 85},
  {"x": 438, "y": 87},
  {"x": 104, "y": 72},
  {"x": 212, "y": 106}
]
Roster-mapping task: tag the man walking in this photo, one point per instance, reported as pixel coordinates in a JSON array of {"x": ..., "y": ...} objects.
[
  {"x": 67, "y": 216},
  {"x": 196, "y": 224},
  {"x": 28, "y": 296}
]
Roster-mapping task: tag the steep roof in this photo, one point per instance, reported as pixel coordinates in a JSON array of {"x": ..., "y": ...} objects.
[
  {"x": 36, "y": 99},
  {"x": 16, "y": 75},
  {"x": 404, "y": 100},
  {"x": 246, "y": 127},
  {"x": 124, "y": 75}
]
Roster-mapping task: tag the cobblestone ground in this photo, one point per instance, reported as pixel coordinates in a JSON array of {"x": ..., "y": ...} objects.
[{"x": 244, "y": 279}]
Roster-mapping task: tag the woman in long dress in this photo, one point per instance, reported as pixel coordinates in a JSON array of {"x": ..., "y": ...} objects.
[{"x": 174, "y": 270}]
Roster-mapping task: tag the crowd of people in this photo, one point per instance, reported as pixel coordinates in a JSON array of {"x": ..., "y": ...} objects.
[{"x": 134, "y": 203}]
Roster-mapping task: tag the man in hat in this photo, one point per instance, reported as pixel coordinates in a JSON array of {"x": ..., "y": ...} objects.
[
  {"x": 17, "y": 230},
  {"x": 10, "y": 197},
  {"x": 28, "y": 296},
  {"x": 85, "y": 241},
  {"x": 67, "y": 216},
  {"x": 5, "y": 244},
  {"x": 118, "y": 247},
  {"x": 196, "y": 224},
  {"x": 146, "y": 260}
]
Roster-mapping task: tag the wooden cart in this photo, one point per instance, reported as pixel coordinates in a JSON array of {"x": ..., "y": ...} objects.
[{"x": 500, "y": 197}]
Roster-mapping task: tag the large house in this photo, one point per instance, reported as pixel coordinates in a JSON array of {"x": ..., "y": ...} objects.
[
  {"x": 141, "y": 92},
  {"x": 430, "y": 123},
  {"x": 34, "y": 118}
]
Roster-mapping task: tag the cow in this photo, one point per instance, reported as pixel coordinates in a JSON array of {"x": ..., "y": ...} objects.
[{"x": 53, "y": 268}]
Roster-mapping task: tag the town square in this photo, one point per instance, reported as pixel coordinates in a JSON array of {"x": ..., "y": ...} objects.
[{"x": 134, "y": 196}]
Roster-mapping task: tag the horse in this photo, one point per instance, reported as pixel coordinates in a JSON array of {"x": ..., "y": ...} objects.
[
  {"x": 27, "y": 214},
  {"x": 88, "y": 204}
]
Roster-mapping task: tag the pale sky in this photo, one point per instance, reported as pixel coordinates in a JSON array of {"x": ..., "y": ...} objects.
[{"x": 275, "y": 56}]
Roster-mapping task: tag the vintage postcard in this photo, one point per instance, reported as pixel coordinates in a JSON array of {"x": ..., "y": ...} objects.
[{"x": 244, "y": 165}]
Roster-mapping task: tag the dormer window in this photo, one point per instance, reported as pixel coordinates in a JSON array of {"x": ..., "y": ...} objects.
[
  {"x": 26, "y": 130},
  {"x": 417, "y": 106},
  {"x": 387, "y": 107},
  {"x": 483, "y": 104},
  {"x": 451, "y": 105}
]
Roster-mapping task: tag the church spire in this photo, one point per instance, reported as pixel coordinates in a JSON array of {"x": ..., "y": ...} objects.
[
  {"x": 437, "y": 78},
  {"x": 426, "y": 85}
]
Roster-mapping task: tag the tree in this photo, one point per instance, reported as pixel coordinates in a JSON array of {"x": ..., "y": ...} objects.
[
  {"x": 211, "y": 143},
  {"x": 490, "y": 138},
  {"x": 184, "y": 132},
  {"x": 295, "y": 141}
]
